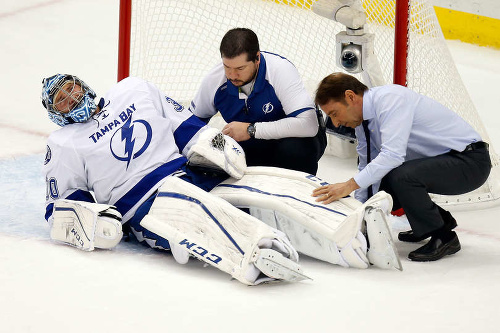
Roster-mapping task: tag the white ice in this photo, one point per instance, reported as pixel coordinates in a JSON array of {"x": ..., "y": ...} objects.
[{"x": 45, "y": 287}]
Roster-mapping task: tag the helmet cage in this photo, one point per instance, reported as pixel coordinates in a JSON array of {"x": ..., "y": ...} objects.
[
  {"x": 82, "y": 108},
  {"x": 69, "y": 96}
]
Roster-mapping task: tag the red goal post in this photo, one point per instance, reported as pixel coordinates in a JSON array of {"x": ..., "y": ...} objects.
[{"x": 124, "y": 39}]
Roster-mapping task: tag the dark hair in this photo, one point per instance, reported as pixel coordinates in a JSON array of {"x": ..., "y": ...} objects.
[
  {"x": 333, "y": 87},
  {"x": 238, "y": 41}
]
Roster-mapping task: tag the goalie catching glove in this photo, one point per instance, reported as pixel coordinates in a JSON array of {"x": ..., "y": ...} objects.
[
  {"x": 216, "y": 150},
  {"x": 86, "y": 225}
]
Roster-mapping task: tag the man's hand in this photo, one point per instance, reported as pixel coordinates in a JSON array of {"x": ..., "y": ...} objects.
[
  {"x": 237, "y": 130},
  {"x": 332, "y": 192}
]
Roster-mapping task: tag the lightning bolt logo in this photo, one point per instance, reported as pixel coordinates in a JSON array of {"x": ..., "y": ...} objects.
[
  {"x": 127, "y": 131},
  {"x": 128, "y": 149}
]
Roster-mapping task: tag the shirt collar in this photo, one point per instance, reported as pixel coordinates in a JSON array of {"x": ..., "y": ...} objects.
[{"x": 368, "y": 110}]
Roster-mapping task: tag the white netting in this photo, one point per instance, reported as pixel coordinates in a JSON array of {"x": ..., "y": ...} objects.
[{"x": 176, "y": 42}]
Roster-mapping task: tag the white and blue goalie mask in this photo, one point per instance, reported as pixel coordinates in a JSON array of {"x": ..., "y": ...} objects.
[{"x": 67, "y": 99}]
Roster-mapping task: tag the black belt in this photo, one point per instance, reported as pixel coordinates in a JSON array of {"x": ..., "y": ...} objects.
[{"x": 476, "y": 145}]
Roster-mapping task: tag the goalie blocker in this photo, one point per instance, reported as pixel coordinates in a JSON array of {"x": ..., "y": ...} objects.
[{"x": 86, "y": 225}]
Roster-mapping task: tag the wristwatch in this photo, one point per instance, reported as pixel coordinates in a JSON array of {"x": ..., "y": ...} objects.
[{"x": 251, "y": 130}]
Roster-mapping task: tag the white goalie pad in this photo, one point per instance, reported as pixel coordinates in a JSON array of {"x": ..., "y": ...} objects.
[
  {"x": 221, "y": 235},
  {"x": 216, "y": 150},
  {"x": 382, "y": 252},
  {"x": 86, "y": 225},
  {"x": 282, "y": 198}
]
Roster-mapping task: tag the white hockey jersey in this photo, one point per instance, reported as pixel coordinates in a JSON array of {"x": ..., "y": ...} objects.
[{"x": 123, "y": 154}]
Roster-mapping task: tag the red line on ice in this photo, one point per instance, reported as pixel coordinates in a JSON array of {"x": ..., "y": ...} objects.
[
  {"x": 24, "y": 130},
  {"x": 26, "y": 9},
  {"x": 480, "y": 234}
]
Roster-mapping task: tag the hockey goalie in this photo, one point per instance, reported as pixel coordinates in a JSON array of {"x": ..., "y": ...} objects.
[
  {"x": 138, "y": 159},
  {"x": 209, "y": 227}
]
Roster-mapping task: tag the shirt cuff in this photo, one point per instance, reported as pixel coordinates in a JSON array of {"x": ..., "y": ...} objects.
[{"x": 362, "y": 179}]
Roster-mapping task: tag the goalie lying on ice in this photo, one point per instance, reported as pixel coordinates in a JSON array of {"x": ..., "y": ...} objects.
[
  {"x": 125, "y": 161},
  {"x": 192, "y": 222}
]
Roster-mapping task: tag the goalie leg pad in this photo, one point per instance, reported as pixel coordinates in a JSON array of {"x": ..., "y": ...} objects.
[
  {"x": 382, "y": 252},
  {"x": 333, "y": 233},
  {"x": 86, "y": 225},
  {"x": 217, "y": 233},
  {"x": 307, "y": 240},
  {"x": 282, "y": 199},
  {"x": 354, "y": 252}
]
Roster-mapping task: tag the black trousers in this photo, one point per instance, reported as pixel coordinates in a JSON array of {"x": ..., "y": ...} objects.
[
  {"x": 449, "y": 174},
  {"x": 301, "y": 154}
]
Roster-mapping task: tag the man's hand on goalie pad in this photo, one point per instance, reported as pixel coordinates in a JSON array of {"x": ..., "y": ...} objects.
[
  {"x": 335, "y": 233},
  {"x": 86, "y": 225},
  {"x": 221, "y": 235},
  {"x": 216, "y": 150}
]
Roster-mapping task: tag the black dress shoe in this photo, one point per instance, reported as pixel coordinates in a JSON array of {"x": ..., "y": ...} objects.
[
  {"x": 449, "y": 224},
  {"x": 408, "y": 236},
  {"x": 436, "y": 248}
]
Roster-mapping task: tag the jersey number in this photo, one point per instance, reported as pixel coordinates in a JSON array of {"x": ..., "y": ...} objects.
[{"x": 51, "y": 190}]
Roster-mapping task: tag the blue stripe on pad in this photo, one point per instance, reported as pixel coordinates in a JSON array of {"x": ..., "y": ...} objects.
[
  {"x": 199, "y": 203},
  {"x": 253, "y": 189},
  {"x": 67, "y": 209}
]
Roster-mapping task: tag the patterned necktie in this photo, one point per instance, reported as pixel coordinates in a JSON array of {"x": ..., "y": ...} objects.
[{"x": 368, "y": 153}]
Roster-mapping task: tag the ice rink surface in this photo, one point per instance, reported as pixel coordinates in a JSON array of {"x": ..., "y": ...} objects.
[{"x": 45, "y": 287}]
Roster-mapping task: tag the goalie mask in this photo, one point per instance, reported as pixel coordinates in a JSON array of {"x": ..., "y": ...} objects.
[{"x": 67, "y": 99}]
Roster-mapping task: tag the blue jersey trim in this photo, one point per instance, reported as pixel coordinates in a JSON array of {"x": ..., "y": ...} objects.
[
  {"x": 276, "y": 54},
  {"x": 186, "y": 131},
  {"x": 132, "y": 197},
  {"x": 296, "y": 113},
  {"x": 205, "y": 120},
  {"x": 260, "y": 80},
  {"x": 48, "y": 211},
  {"x": 253, "y": 189},
  {"x": 78, "y": 195},
  {"x": 135, "y": 222},
  {"x": 199, "y": 203},
  {"x": 81, "y": 195}
]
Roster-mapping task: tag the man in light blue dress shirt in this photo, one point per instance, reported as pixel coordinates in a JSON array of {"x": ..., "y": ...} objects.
[{"x": 416, "y": 147}]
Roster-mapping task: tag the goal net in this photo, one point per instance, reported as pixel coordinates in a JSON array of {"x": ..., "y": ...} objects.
[{"x": 175, "y": 43}]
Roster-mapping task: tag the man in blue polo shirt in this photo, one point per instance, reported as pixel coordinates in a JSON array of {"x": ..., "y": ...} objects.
[{"x": 265, "y": 104}]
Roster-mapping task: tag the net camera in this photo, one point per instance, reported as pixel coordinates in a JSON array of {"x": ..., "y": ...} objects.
[
  {"x": 354, "y": 52},
  {"x": 351, "y": 58}
]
